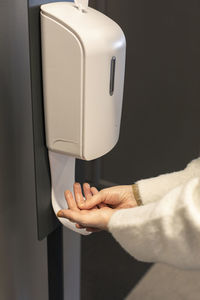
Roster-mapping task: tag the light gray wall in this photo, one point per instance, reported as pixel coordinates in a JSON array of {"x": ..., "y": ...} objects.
[
  {"x": 23, "y": 261},
  {"x": 72, "y": 264}
]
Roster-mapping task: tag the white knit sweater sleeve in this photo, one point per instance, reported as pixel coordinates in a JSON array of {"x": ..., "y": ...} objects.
[
  {"x": 165, "y": 231},
  {"x": 153, "y": 189}
]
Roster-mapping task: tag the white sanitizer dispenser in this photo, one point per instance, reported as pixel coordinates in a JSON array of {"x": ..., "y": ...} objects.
[
  {"x": 83, "y": 58},
  {"x": 83, "y": 55}
]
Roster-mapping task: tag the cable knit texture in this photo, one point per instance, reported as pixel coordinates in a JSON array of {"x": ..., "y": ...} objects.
[{"x": 167, "y": 228}]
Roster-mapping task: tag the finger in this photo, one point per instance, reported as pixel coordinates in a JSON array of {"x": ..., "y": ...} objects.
[
  {"x": 70, "y": 200},
  {"x": 79, "y": 226},
  {"x": 95, "y": 200},
  {"x": 87, "y": 191},
  {"x": 94, "y": 191},
  {"x": 74, "y": 216},
  {"x": 101, "y": 205},
  {"x": 78, "y": 193},
  {"x": 64, "y": 213}
]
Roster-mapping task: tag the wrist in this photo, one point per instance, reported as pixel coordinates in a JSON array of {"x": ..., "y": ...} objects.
[{"x": 109, "y": 215}]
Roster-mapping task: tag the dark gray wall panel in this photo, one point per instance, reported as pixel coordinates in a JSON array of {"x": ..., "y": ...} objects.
[
  {"x": 47, "y": 221},
  {"x": 23, "y": 272},
  {"x": 160, "y": 123}
]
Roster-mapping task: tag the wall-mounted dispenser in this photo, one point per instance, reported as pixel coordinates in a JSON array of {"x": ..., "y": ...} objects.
[{"x": 83, "y": 56}]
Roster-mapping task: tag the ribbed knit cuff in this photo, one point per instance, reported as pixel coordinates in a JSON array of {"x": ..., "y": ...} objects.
[{"x": 136, "y": 194}]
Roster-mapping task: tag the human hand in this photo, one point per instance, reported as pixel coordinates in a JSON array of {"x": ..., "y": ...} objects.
[
  {"x": 95, "y": 212},
  {"x": 116, "y": 197},
  {"x": 93, "y": 220}
]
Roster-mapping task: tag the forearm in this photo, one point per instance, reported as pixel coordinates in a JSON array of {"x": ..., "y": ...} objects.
[
  {"x": 166, "y": 231},
  {"x": 153, "y": 189}
]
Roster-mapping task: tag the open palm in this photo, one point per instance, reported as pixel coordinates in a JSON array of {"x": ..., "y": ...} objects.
[{"x": 93, "y": 219}]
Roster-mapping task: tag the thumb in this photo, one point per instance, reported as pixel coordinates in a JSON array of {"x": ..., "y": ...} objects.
[{"x": 92, "y": 202}]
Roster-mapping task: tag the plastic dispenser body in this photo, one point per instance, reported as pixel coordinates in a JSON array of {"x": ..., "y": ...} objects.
[{"x": 83, "y": 55}]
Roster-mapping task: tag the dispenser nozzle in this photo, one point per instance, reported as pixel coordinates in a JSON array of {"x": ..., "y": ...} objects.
[{"x": 82, "y": 4}]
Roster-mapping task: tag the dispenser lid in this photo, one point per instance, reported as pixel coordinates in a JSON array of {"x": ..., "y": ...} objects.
[{"x": 87, "y": 24}]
